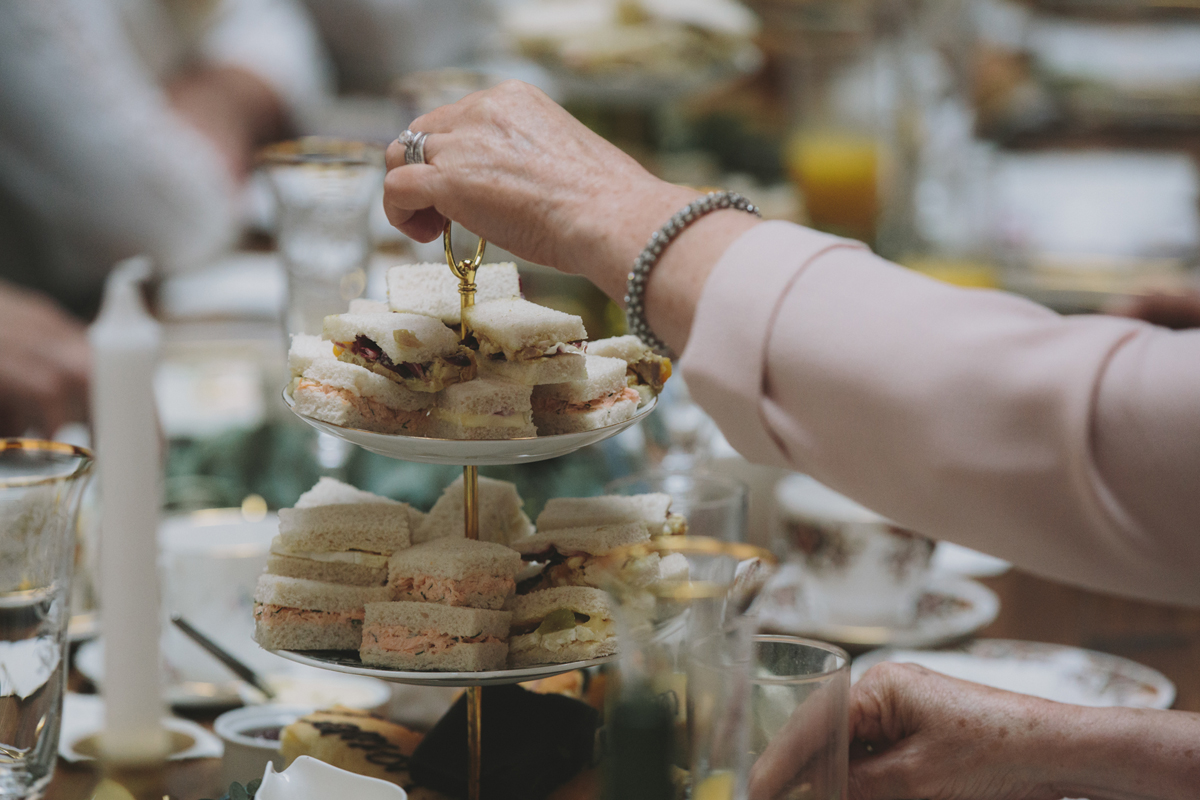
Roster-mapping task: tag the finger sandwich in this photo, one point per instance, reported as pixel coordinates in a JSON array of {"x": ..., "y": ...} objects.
[
  {"x": 601, "y": 398},
  {"x": 645, "y": 370},
  {"x": 652, "y": 510},
  {"x": 415, "y": 351},
  {"x": 554, "y": 626},
  {"x": 299, "y": 614},
  {"x": 525, "y": 343},
  {"x": 455, "y": 572},
  {"x": 484, "y": 409},
  {"x": 583, "y": 557},
  {"x": 340, "y": 534},
  {"x": 432, "y": 289},
  {"x": 501, "y": 518},
  {"x": 306, "y": 349},
  {"x": 355, "y": 397},
  {"x": 431, "y": 636},
  {"x": 363, "y": 306}
]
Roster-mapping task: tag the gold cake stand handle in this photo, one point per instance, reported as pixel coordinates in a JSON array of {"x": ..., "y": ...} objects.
[{"x": 465, "y": 272}]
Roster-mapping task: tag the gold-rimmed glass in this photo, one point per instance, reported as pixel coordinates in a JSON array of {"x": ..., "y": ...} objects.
[
  {"x": 324, "y": 192},
  {"x": 40, "y": 487},
  {"x": 799, "y": 738},
  {"x": 679, "y": 715}
]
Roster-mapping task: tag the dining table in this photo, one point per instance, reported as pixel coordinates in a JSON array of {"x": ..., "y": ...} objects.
[{"x": 1163, "y": 637}]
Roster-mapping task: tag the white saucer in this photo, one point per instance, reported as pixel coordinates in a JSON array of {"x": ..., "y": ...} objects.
[
  {"x": 1055, "y": 672},
  {"x": 347, "y": 661},
  {"x": 951, "y": 608},
  {"x": 472, "y": 452}
]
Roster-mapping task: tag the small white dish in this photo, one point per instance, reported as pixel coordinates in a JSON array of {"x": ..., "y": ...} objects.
[
  {"x": 247, "y": 754},
  {"x": 310, "y": 779},
  {"x": 347, "y": 662},
  {"x": 950, "y": 608},
  {"x": 472, "y": 452},
  {"x": 1052, "y": 671},
  {"x": 293, "y": 685}
]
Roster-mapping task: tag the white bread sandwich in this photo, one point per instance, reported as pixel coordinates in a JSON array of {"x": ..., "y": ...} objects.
[
  {"x": 432, "y": 289},
  {"x": 584, "y": 557},
  {"x": 305, "y": 350},
  {"x": 341, "y": 534},
  {"x": 645, "y": 370},
  {"x": 298, "y": 614},
  {"x": 501, "y": 518},
  {"x": 526, "y": 343},
  {"x": 455, "y": 572},
  {"x": 483, "y": 409},
  {"x": 600, "y": 399},
  {"x": 652, "y": 510},
  {"x": 362, "y": 306},
  {"x": 355, "y": 397},
  {"x": 413, "y": 350},
  {"x": 554, "y": 626},
  {"x": 431, "y": 636}
]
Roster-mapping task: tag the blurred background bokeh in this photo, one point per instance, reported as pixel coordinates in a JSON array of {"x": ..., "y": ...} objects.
[{"x": 1047, "y": 147}]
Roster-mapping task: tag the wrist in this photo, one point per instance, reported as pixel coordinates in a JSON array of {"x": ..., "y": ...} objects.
[
  {"x": 617, "y": 225},
  {"x": 1127, "y": 754}
]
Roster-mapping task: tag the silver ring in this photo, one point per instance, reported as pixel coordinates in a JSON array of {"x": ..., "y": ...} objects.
[{"x": 414, "y": 146}]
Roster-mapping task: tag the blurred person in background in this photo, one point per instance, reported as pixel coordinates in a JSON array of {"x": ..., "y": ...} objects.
[
  {"x": 126, "y": 127},
  {"x": 1067, "y": 445}
]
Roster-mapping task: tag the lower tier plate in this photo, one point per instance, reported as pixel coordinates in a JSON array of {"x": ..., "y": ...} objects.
[
  {"x": 471, "y": 452},
  {"x": 347, "y": 661}
]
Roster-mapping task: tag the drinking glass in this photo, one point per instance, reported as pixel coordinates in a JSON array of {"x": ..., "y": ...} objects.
[
  {"x": 714, "y": 506},
  {"x": 324, "y": 190},
  {"x": 40, "y": 487},
  {"x": 798, "y": 738},
  {"x": 679, "y": 714}
]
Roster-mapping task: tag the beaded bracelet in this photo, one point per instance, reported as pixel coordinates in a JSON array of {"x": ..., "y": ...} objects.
[{"x": 635, "y": 287}]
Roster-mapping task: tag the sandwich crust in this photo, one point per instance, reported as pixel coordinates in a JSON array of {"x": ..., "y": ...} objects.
[
  {"x": 416, "y": 351},
  {"x": 644, "y": 368},
  {"x": 484, "y": 409},
  {"x": 501, "y": 518},
  {"x": 428, "y": 636},
  {"x": 543, "y": 634},
  {"x": 431, "y": 289},
  {"x": 601, "y": 399},
  {"x": 298, "y": 614},
  {"x": 523, "y": 331},
  {"x": 455, "y": 572}
]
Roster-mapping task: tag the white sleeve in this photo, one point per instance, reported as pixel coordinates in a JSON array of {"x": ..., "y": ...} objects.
[
  {"x": 89, "y": 143},
  {"x": 276, "y": 40}
]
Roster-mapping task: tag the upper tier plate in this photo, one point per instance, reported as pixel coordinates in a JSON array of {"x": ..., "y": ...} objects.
[
  {"x": 347, "y": 662},
  {"x": 471, "y": 452}
]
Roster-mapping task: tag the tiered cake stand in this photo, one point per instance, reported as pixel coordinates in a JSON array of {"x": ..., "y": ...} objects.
[{"x": 471, "y": 455}]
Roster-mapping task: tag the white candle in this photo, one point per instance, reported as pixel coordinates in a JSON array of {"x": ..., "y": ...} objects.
[{"x": 125, "y": 345}]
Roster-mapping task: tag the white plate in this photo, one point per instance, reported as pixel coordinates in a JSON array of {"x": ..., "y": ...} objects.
[
  {"x": 951, "y": 608},
  {"x": 347, "y": 662},
  {"x": 472, "y": 452},
  {"x": 1055, "y": 672},
  {"x": 294, "y": 685}
]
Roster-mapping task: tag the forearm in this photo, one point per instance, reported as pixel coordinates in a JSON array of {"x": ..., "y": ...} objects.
[
  {"x": 623, "y": 226},
  {"x": 1127, "y": 754}
]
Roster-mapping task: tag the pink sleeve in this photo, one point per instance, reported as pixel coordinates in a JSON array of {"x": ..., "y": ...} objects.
[{"x": 1068, "y": 445}]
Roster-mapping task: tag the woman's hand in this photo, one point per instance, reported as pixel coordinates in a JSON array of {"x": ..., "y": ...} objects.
[
  {"x": 512, "y": 166},
  {"x": 919, "y": 734},
  {"x": 44, "y": 364}
]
